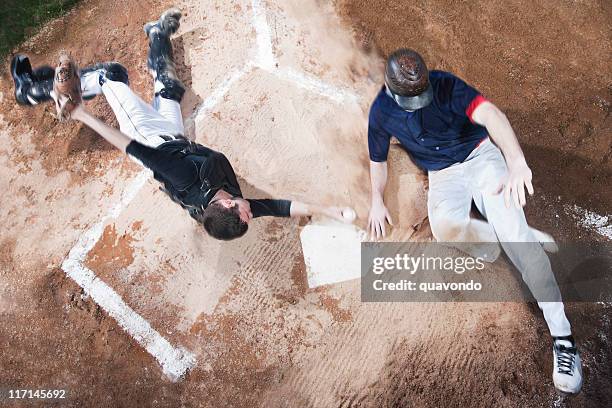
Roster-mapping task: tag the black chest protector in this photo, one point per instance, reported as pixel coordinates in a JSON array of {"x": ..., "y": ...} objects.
[{"x": 205, "y": 172}]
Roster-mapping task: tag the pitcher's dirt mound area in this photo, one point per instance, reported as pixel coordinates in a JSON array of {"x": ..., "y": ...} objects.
[{"x": 283, "y": 87}]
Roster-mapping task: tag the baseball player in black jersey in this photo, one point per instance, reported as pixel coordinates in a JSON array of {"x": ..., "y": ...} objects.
[{"x": 198, "y": 178}]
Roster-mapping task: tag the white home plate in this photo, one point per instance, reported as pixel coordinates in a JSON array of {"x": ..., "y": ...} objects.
[{"x": 332, "y": 252}]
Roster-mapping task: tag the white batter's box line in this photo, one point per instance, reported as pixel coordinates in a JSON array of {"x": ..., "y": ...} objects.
[
  {"x": 218, "y": 93},
  {"x": 266, "y": 60},
  {"x": 89, "y": 238},
  {"x": 602, "y": 224},
  {"x": 315, "y": 85},
  {"x": 265, "y": 55},
  {"x": 175, "y": 361}
]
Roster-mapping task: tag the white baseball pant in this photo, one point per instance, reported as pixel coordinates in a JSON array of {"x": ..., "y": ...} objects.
[
  {"x": 141, "y": 121},
  {"x": 451, "y": 191}
]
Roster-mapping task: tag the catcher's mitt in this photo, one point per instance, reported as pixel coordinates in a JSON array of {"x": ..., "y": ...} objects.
[{"x": 66, "y": 87}]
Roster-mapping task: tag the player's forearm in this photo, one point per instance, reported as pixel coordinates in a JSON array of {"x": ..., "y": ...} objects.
[
  {"x": 112, "y": 135},
  {"x": 299, "y": 209},
  {"x": 378, "y": 179},
  {"x": 503, "y": 135}
]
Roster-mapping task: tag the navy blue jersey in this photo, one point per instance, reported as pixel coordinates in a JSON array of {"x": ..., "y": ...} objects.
[{"x": 437, "y": 136}]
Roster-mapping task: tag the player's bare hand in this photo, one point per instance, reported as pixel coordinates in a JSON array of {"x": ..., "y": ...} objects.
[
  {"x": 377, "y": 219},
  {"x": 514, "y": 184}
]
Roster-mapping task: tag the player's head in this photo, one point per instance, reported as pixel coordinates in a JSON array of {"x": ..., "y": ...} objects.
[
  {"x": 407, "y": 80},
  {"x": 227, "y": 219}
]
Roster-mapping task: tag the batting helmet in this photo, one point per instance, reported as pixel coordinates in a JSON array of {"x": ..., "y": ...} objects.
[{"x": 407, "y": 79}]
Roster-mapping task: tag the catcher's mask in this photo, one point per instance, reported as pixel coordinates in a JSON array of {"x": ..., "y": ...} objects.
[{"x": 407, "y": 80}]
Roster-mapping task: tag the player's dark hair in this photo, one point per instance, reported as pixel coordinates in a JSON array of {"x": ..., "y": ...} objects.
[{"x": 223, "y": 223}]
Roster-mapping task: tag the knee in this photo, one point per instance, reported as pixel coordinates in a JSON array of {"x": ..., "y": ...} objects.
[
  {"x": 448, "y": 230},
  {"x": 117, "y": 72},
  {"x": 112, "y": 71},
  {"x": 173, "y": 89}
]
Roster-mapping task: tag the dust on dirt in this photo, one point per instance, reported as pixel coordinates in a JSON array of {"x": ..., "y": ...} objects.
[
  {"x": 546, "y": 64},
  {"x": 270, "y": 341}
]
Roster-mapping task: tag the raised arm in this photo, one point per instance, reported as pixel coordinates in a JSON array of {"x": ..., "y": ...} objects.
[
  {"x": 112, "y": 135},
  {"x": 519, "y": 174},
  {"x": 378, "y": 211}
]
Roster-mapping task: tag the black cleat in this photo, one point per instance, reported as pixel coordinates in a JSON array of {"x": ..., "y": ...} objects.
[
  {"x": 31, "y": 87},
  {"x": 94, "y": 76},
  {"x": 168, "y": 23},
  {"x": 160, "y": 58}
]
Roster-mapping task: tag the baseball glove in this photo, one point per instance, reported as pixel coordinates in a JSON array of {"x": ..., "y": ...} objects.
[{"x": 66, "y": 87}]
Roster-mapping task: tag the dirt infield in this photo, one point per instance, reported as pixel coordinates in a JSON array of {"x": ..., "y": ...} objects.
[
  {"x": 546, "y": 64},
  {"x": 282, "y": 88}
]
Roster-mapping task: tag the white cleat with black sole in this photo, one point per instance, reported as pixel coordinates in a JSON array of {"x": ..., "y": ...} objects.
[{"x": 567, "y": 366}]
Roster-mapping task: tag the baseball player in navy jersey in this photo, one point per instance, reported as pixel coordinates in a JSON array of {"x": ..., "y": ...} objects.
[
  {"x": 198, "y": 178},
  {"x": 471, "y": 154}
]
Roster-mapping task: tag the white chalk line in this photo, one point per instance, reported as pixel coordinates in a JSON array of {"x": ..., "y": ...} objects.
[
  {"x": 174, "y": 361},
  {"x": 219, "y": 92},
  {"x": 266, "y": 60},
  {"x": 265, "y": 56},
  {"x": 315, "y": 85},
  {"x": 602, "y": 224}
]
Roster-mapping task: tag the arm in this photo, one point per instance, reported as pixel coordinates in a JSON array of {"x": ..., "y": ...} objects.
[
  {"x": 378, "y": 212},
  {"x": 268, "y": 207},
  {"x": 299, "y": 209},
  {"x": 286, "y": 208},
  {"x": 379, "y": 141},
  {"x": 112, "y": 135},
  {"x": 519, "y": 174}
]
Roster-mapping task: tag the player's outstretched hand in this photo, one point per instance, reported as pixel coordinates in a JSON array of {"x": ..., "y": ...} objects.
[
  {"x": 379, "y": 215},
  {"x": 66, "y": 87},
  {"x": 514, "y": 184}
]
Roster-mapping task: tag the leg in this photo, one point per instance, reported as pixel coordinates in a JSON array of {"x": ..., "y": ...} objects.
[
  {"x": 546, "y": 240},
  {"x": 31, "y": 86},
  {"x": 485, "y": 170},
  {"x": 448, "y": 205},
  {"x": 168, "y": 88},
  {"x": 137, "y": 118},
  {"x": 521, "y": 244},
  {"x": 169, "y": 109}
]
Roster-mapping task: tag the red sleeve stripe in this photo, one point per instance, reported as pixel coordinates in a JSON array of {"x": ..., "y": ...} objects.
[{"x": 473, "y": 105}]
